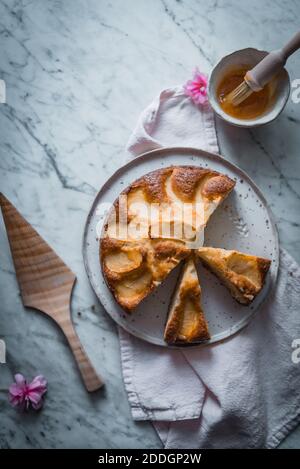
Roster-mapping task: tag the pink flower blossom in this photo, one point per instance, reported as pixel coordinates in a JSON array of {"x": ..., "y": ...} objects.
[
  {"x": 23, "y": 395},
  {"x": 197, "y": 88}
]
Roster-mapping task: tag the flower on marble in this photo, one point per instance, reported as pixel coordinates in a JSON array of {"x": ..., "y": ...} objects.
[
  {"x": 196, "y": 88},
  {"x": 23, "y": 395}
]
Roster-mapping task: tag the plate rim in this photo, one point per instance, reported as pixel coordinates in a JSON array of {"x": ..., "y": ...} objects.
[{"x": 239, "y": 326}]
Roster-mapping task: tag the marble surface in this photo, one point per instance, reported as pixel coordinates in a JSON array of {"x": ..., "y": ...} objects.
[{"x": 78, "y": 73}]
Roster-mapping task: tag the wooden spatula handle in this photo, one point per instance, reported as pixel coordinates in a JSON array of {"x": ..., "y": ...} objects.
[
  {"x": 90, "y": 378},
  {"x": 46, "y": 283}
]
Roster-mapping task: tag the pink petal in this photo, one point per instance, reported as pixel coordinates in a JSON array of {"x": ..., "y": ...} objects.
[
  {"x": 198, "y": 76},
  {"x": 188, "y": 87},
  {"x": 39, "y": 384},
  {"x": 15, "y": 401},
  {"x": 203, "y": 79},
  {"x": 202, "y": 99},
  {"x": 23, "y": 396},
  {"x": 20, "y": 380},
  {"x": 14, "y": 390},
  {"x": 39, "y": 379},
  {"x": 196, "y": 88},
  {"x": 35, "y": 397}
]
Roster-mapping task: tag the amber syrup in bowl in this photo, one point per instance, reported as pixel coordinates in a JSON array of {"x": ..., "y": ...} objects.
[{"x": 254, "y": 106}]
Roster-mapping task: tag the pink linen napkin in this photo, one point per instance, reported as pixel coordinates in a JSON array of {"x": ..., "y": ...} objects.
[{"x": 242, "y": 392}]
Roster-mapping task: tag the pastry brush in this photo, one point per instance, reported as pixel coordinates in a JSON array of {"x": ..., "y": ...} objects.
[{"x": 256, "y": 78}]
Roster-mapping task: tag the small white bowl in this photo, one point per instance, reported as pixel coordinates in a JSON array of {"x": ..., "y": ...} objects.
[{"x": 248, "y": 57}]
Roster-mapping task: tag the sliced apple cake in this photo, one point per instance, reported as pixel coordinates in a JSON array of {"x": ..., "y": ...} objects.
[
  {"x": 186, "y": 322},
  {"x": 153, "y": 225}
]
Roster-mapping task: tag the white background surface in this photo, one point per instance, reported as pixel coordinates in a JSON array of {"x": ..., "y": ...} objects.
[{"x": 78, "y": 73}]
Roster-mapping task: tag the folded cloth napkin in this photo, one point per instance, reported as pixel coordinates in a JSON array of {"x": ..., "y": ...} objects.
[{"x": 242, "y": 392}]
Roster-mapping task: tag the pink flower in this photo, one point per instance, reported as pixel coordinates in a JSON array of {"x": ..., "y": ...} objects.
[
  {"x": 23, "y": 395},
  {"x": 197, "y": 88}
]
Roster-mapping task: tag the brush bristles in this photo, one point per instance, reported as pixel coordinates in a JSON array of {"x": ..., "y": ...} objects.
[{"x": 239, "y": 94}]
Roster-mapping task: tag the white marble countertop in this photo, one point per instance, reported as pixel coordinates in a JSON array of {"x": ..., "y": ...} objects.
[{"x": 78, "y": 73}]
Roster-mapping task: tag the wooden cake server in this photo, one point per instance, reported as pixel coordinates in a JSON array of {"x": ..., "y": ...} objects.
[{"x": 46, "y": 283}]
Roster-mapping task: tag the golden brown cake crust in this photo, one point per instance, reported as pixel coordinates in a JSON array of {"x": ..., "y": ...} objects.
[
  {"x": 184, "y": 181},
  {"x": 217, "y": 185}
]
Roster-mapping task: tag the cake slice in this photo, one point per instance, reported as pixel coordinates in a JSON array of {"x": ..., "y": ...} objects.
[
  {"x": 193, "y": 194},
  {"x": 243, "y": 274},
  {"x": 133, "y": 269},
  {"x": 174, "y": 202},
  {"x": 186, "y": 322}
]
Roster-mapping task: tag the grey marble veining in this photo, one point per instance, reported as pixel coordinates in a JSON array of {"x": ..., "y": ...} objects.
[{"x": 78, "y": 73}]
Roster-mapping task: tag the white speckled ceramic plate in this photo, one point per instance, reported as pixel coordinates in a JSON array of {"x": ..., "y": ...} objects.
[{"x": 243, "y": 222}]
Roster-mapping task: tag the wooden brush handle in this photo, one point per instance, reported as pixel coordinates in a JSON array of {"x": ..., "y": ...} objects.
[
  {"x": 271, "y": 64},
  {"x": 91, "y": 379},
  {"x": 292, "y": 45}
]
